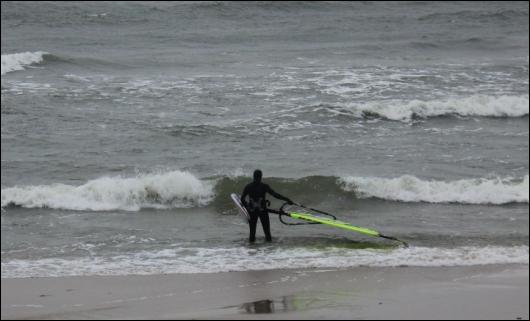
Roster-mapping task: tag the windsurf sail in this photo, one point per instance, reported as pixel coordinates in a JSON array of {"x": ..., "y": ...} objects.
[
  {"x": 340, "y": 224},
  {"x": 329, "y": 219},
  {"x": 332, "y": 222}
]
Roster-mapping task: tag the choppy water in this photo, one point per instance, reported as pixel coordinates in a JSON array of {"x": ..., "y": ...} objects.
[{"x": 125, "y": 127}]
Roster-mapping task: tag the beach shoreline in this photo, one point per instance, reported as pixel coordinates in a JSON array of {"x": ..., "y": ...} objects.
[{"x": 465, "y": 292}]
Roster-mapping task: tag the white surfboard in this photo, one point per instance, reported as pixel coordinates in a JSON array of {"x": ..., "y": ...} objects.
[{"x": 242, "y": 209}]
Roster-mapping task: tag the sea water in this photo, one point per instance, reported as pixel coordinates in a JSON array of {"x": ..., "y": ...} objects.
[{"x": 125, "y": 126}]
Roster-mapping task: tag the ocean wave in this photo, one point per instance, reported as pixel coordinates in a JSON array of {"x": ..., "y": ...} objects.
[
  {"x": 478, "y": 105},
  {"x": 177, "y": 189},
  {"x": 174, "y": 189},
  {"x": 467, "y": 191},
  {"x": 476, "y": 43},
  {"x": 18, "y": 61},
  {"x": 213, "y": 260},
  {"x": 465, "y": 15}
]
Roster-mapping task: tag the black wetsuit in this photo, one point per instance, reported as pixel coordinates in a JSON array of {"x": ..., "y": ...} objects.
[{"x": 257, "y": 207}]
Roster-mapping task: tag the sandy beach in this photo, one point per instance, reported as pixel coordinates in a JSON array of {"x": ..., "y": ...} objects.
[{"x": 475, "y": 292}]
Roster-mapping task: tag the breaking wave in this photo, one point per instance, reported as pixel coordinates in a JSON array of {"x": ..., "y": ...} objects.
[
  {"x": 178, "y": 189},
  {"x": 466, "y": 191},
  {"x": 18, "y": 61},
  {"x": 174, "y": 189},
  {"x": 21, "y": 61},
  {"x": 478, "y": 105}
]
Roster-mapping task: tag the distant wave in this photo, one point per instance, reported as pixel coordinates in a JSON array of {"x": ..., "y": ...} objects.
[
  {"x": 18, "y": 61},
  {"x": 310, "y": 116},
  {"x": 213, "y": 260},
  {"x": 177, "y": 189},
  {"x": 467, "y": 43},
  {"x": 467, "y": 191},
  {"x": 501, "y": 15},
  {"x": 166, "y": 190},
  {"x": 478, "y": 105}
]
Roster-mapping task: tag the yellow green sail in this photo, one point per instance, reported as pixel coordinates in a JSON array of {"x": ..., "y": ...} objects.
[{"x": 331, "y": 222}]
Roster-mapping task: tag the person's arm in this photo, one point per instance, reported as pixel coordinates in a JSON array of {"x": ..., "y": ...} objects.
[
  {"x": 278, "y": 196},
  {"x": 244, "y": 195}
]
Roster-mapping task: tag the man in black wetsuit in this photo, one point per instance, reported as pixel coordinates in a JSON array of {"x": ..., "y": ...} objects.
[{"x": 257, "y": 205}]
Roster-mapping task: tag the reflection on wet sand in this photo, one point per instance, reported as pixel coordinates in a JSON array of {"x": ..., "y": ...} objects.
[
  {"x": 284, "y": 304},
  {"x": 263, "y": 306}
]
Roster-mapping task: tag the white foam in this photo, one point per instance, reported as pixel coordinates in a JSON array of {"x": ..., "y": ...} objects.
[
  {"x": 409, "y": 188},
  {"x": 17, "y": 61},
  {"x": 165, "y": 190},
  {"x": 477, "y": 105},
  {"x": 213, "y": 260}
]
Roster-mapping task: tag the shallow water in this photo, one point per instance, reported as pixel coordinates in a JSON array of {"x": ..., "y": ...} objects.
[{"x": 125, "y": 127}]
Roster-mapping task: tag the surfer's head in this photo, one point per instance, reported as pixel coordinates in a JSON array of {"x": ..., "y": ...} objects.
[{"x": 257, "y": 175}]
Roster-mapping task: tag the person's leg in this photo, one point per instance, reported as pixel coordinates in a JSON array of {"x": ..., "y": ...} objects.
[
  {"x": 264, "y": 218},
  {"x": 252, "y": 225}
]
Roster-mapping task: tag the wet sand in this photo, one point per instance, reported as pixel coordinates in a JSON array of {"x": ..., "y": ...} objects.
[{"x": 475, "y": 292}]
